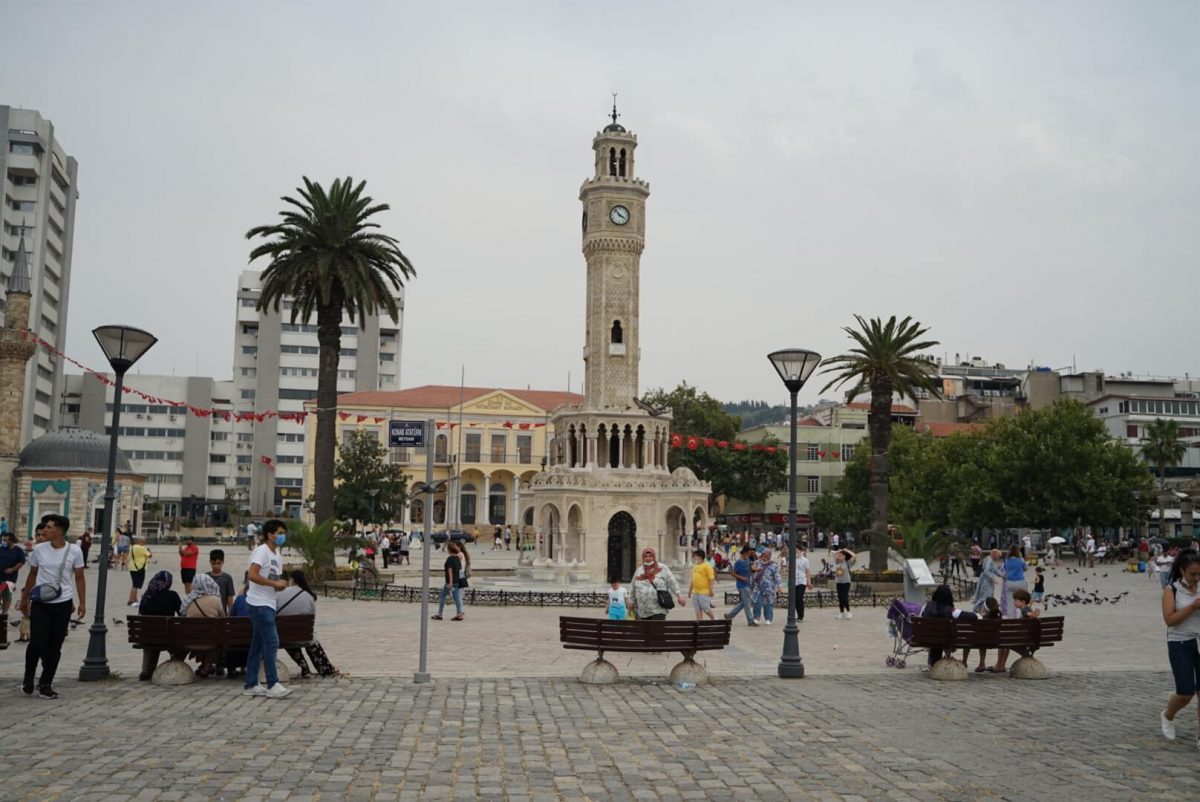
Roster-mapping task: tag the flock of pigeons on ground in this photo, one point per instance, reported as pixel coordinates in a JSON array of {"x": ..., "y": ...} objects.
[{"x": 1081, "y": 595}]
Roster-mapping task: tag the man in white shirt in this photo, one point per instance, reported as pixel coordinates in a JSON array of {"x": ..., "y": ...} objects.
[
  {"x": 803, "y": 576},
  {"x": 266, "y": 580},
  {"x": 57, "y": 567},
  {"x": 385, "y": 545}
]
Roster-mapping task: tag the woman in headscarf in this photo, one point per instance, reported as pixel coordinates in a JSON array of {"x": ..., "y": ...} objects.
[
  {"x": 158, "y": 599},
  {"x": 203, "y": 602},
  {"x": 985, "y": 588},
  {"x": 300, "y": 599},
  {"x": 764, "y": 586},
  {"x": 651, "y": 577}
]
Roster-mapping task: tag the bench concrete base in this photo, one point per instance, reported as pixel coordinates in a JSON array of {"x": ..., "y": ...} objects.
[
  {"x": 1029, "y": 668},
  {"x": 948, "y": 669},
  {"x": 281, "y": 670},
  {"x": 173, "y": 672},
  {"x": 689, "y": 670},
  {"x": 600, "y": 672}
]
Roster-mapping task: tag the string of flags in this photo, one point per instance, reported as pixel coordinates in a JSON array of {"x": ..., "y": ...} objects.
[
  {"x": 183, "y": 407},
  {"x": 693, "y": 442}
]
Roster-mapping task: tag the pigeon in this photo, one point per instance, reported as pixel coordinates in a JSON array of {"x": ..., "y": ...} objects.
[
  {"x": 118, "y": 622},
  {"x": 1105, "y": 575}
]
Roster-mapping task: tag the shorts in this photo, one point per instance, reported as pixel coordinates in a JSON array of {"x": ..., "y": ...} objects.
[
  {"x": 403, "y": 553},
  {"x": 701, "y": 602},
  {"x": 1185, "y": 665},
  {"x": 1038, "y": 595},
  {"x": 137, "y": 578},
  {"x": 186, "y": 575}
]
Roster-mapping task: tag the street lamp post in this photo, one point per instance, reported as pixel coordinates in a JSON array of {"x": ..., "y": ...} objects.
[
  {"x": 373, "y": 492},
  {"x": 122, "y": 346},
  {"x": 794, "y": 365}
]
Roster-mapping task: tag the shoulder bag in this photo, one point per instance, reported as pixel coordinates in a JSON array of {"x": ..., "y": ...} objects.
[
  {"x": 44, "y": 591},
  {"x": 665, "y": 599}
]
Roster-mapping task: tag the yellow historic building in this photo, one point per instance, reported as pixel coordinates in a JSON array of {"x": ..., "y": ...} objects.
[{"x": 492, "y": 440}]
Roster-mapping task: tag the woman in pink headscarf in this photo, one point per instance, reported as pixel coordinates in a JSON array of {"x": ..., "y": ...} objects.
[{"x": 651, "y": 577}]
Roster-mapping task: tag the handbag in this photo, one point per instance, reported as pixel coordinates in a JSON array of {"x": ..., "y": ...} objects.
[
  {"x": 665, "y": 600},
  {"x": 45, "y": 592},
  {"x": 462, "y": 582}
]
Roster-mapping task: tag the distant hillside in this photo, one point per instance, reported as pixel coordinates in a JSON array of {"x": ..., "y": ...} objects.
[{"x": 758, "y": 413}]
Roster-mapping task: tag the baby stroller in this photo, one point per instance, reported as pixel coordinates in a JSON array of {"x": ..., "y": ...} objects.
[{"x": 900, "y": 615}]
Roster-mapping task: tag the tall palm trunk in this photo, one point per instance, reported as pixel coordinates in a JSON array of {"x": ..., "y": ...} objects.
[
  {"x": 1162, "y": 501},
  {"x": 879, "y": 423},
  {"x": 329, "y": 341}
]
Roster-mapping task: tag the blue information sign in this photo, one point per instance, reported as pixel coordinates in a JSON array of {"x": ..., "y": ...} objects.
[{"x": 406, "y": 434}]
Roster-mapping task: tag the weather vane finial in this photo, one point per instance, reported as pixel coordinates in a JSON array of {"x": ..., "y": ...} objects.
[{"x": 614, "y": 111}]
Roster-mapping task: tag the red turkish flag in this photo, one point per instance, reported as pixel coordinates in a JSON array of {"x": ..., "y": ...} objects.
[
  {"x": 692, "y": 442},
  {"x": 837, "y": 455},
  {"x": 344, "y": 415},
  {"x": 722, "y": 443},
  {"x": 508, "y": 424},
  {"x": 739, "y": 446},
  {"x": 821, "y": 455},
  {"x": 676, "y": 440},
  {"x": 524, "y": 427},
  {"x": 771, "y": 449},
  {"x": 708, "y": 442},
  {"x": 268, "y": 462},
  {"x": 361, "y": 418},
  {"x": 380, "y": 420}
]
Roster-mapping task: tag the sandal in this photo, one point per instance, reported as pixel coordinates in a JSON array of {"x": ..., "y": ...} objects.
[
  {"x": 458, "y": 617},
  {"x": 980, "y": 670},
  {"x": 436, "y": 617}
]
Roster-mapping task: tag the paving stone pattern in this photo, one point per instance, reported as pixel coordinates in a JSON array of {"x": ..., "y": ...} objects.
[{"x": 896, "y": 736}]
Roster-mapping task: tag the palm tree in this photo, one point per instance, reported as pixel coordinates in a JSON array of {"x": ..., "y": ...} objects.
[
  {"x": 886, "y": 363},
  {"x": 1162, "y": 447},
  {"x": 326, "y": 258}
]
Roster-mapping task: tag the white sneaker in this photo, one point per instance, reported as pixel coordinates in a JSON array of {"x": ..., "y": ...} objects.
[
  {"x": 766, "y": 623},
  {"x": 1168, "y": 727},
  {"x": 133, "y": 605},
  {"x": 276, "y": 691},
  {"x": 257, "y": 690},
  {"x": 849, "y": 616}
]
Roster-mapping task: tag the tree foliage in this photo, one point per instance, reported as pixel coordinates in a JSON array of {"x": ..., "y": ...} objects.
[
  {"x": 362, "y": 466},
  {"x": 326, "y": 256},
  {"x": 747, "y": 475},
  {"x": 317, "y": 545},
  {"x": 1049, "y": 468}
]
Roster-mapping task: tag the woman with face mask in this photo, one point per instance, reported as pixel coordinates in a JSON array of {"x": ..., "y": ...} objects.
[{"x": 651, "y": 577}]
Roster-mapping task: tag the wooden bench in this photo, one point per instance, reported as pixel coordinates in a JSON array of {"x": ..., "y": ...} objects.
[
  {"x": 176, "y": 633},
  {"x": 602, "y": 635},
  {"x": 1022, "y": 635}
]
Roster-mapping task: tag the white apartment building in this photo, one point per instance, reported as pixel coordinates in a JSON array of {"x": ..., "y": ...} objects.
[
  {"x": 38, "y": 212},
  {"x": 191, "y": 463},
  {"x": 275, "y": 368}
]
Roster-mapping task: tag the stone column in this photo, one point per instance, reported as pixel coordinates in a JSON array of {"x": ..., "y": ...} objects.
[
  {"x": 620, "y": 448},
  {"x": 487, "y": 500}
]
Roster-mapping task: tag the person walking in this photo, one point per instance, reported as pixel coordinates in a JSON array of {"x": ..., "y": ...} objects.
[
  {"x": 985, "y": 588},
  {"x": 189, "y": 555},
  {"x": 704, "y": 577},
  {"x": 803, "y": 577},
  {"x": 266, "y": 580},
  {"x": 742, "y": 577},
  {"x": 139, "y": 558},
  {"x": 452, "y": 572},
  {"x": 843, "y": 560},
  {"x": 650, "y": 578},
  {"x": 1014, "y": 580},
  {"x": 85, "y": 543},
  {"x": 764, "y": 587},
  {"x": 385, "y": 547},
  {"x": 54, "y": 588},
  {"x": 976, "y": 559},
  {"x": 405, "y": 544},
  {"x": 12, "y": 560},
  {"x": 508, "y": 538},
  {"x": 1181, "y": 614}
]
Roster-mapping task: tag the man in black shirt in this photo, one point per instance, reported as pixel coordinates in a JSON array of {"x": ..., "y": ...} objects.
[{"x": 12, "y": 558}]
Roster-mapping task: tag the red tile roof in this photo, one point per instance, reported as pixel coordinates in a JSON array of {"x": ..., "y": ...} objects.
[
  {"x": 897, "y": 409},
  {"x": 440, "y": 396},
  {"x": 809, "y": 422},
  {"x": 946, "y": 429}
]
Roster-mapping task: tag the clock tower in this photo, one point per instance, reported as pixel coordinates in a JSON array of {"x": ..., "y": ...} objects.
[{"x": 614, "y": 234}]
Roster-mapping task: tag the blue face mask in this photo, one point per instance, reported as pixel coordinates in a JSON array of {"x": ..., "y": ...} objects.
[{"x": 280, "y": 540}]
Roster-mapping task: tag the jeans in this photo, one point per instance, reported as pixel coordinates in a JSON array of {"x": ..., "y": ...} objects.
[
  {"x": 765, "y": 606},
  {"x": 447, "y": 591},
  {"x": 843, "y": 594},
  {"x": 48, "y": 624},
  {"x": 264, "y": 645},
  {"x": 744, "y": 604},
  {"x": 800, "y": 591},
  {"x": 1164, "y": 577}
]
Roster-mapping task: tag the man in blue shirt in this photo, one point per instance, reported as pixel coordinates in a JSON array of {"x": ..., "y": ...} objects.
[
  {"x": 741, "y": 573},
  {"x": 12, "y": 558}
]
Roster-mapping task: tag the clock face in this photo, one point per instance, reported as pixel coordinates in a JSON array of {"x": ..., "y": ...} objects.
[{"x": 619, "y": 215}]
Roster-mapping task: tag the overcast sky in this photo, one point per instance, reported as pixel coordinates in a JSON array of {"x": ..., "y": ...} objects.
[{"x": 1024, "y": 178}]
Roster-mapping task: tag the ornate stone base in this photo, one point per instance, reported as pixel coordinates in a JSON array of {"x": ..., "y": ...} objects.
[
  {"x": 173, "y": 672},
  {"x": 600, "y": 672},
  {"x": 688, "y": 670},
  {"x": 948, "y": 669},
  {"x": 1029, "y": 668}
]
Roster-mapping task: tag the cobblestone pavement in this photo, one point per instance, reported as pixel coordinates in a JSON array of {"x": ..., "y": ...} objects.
[{"x": 895, "y": 736}]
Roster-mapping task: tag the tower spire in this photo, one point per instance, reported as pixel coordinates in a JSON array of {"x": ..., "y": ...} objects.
[
  {"x": 18, "y": 280},
  {"x": 614, "y": 111}
]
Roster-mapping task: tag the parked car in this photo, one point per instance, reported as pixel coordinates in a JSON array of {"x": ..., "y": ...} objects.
[{"x": 455, "y": 535}]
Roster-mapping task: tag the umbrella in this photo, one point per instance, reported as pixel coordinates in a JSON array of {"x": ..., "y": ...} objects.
[{"x": 1056, "y": 540}]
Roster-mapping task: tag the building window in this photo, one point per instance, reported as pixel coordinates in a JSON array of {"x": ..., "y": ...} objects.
[
  {"x": 474, "y": 447},
  {"x": 249, "y": 349},
  {"x": 289, "y": 459},
  {"x": 214, "y": 481},
  {"x": 243, "y": 481},
  {"x": 847, "y": 453},
  {"x": 297, "y": 395},
  {"x": 467, "y": 503},
  {"x": 810, "y": 452},
  {"x": 416, "y": 511},
  {"x": 247, "y": 394},
  {"x": 248, "y": 303},
  {"x": 387, "y": 357},
  {"x": 497, "y": 504},
  {"x": 498, "y": 448},
  {"x": 250, "y": 372},
  {"x": 525, "y": 449},
  {"x": 243, "y": 459},
  {"x": 218, "y": 436},
  {"x": 1131, "y": 431},
  {"x": 813, "y": 484},
  {"x": 22, "y": 148},
  {"x": 440, "y": 449},
  {"x": 217, "y": 457},
  {"x": 21, "y": 206}
]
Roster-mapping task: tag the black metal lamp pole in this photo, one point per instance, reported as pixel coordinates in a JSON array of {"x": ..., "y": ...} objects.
[
  {"x": 794, "y": 367},
  {"x": 123, "y": 346}
]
